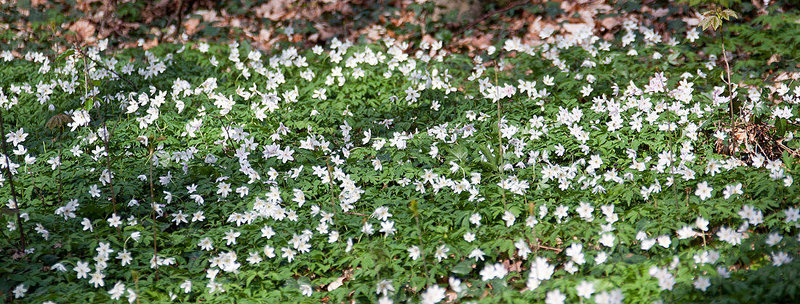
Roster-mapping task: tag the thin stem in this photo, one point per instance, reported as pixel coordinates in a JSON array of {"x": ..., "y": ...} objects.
[
  {"x": 728, "y": 71},
  {"x": 499, "y": 135},
  {"x": 330, "y": 182},
  {"x": 153, "y": 210},
  {"x": 60, "y": 151},
  {"x": 106, "y": 138},
  {"x": 703, "y": 234},
  {"x": 11, "y": 183},
  {"x": 419, "y": 237}
]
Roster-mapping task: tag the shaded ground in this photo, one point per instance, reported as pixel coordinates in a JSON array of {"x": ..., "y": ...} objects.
[{"x": 466, "y": 25}]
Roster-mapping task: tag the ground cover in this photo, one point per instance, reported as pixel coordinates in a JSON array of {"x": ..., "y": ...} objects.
[{"x": 572, "y": 169}]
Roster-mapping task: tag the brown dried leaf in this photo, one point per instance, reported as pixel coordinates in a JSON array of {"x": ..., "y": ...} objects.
[
  {"x": 375, "y": 32},
  {"x": 610, "y": 23},
  {"x": 273, "y": 10},
  {"x": 86, "y": 5},
  {"x": 84, "y": 29},
  {"x": 191, "y": 26},
  {"x": 324, "y": 31},
  {"x": 150, "y": 44},
  {"x": 513, "y": 266},
  {"x": 661, "y": 12},
  {"x": 336, "y": 284},
  {"x": 208, "y": 15},
  {"x": 774, "y": 58}
]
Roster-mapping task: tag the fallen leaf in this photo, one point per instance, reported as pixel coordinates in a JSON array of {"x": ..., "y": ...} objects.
[
  {"x": 336, "y": 284},
  {"x": 609, "y": 23},
  {"x": 84, "y": 29},
  {"x": 150, "y": 44},
  {"x": 191, "y": 26},
  {"x": 208, "y": 15},
  {"x": 774, "y": 58},
  {"x": 273, "y": 10},
  {"x": 661, "y": 12}
]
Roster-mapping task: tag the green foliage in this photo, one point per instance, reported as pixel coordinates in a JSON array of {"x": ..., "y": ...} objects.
[
  {"x": 714, "y": 18},
  {"x": 722, "y": 3},
  {"x": 423, "y": 134}
]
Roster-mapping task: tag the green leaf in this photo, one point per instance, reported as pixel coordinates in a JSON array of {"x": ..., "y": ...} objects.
[
  {"x": 463, "y": 268},
  {"x": 65, "y": 54}
]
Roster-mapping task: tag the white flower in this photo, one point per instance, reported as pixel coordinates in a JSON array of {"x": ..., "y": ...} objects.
[
  {"x": 384, "y": 287},
  {"x": 555, "y": 297},
  {"x": 319, "y": 94},
  {"x": 125, "y": 257},
  {"x": 702, "y": 283},
  {"x": 753, "y": 216},
  {"x": 94, "y": 191},
  {"x": 387, "y": 227},
  {"x": 97, "y": 279},
  {"x": 600, "y": 258},
  {"x": 732, "y": 189},
  {"x": 198, "y": 216},
  {"x": 186, "y": 286},
  {"x": 609, "y": 297},
  {"x": 231, "y": 236},
  {"x": 575, "y": 252},
  {"x": 664, "y": 241},
  {"x": 586, "y": 90},
  {"x": 433, "y": 294},
  {"x": 686, "y": 232},
  {"x": 492, "y": 271},
  {"x": 540, "y": 271},
  {"x": 607, "y": 239},
  {"x": 131, "y": 296},
  {"x": 729, "y": 236},
  {"x": 206, "y": 244},
  {"x": 692, "y": 35},
  {"x": 523, "y": 249},
  {"x": 701, "y": 224},
  {"x": 306, "y": 289},
  {"x": 585, "y": 289},
  {"x": 269, "y": 252},
  {"x": 20, "y": 291},
  {"x": 792, "y": 215},
  {"x": 414, "y": 252},
  {"x": 475, "y": 219},
  {"x": 665, "y": 279},
  {"x": 477, "y": 254},
  {"x": 254, "y": 258},
  {"x": 441, "y": 252},
  {"x": 367, "y": 229},
  {"x": 455, "y": 285},
  {"x": 82, "y": 268},
  {"x": 117, "y": 291},
  {"x": 561, "y": 212},
  {"x": 60, "y": 267},
  {"x": 15, "y": 138},
  {"x": 703, "y": 191},
  {"x": 585, "y": 211},
  {"x": 509, "y": 218},
  {"x": 773, "y": 239},
  {"x": 79, "y": 118},
  {"x": 469, "y": 237},
  {"x": 780, "y": 258}
]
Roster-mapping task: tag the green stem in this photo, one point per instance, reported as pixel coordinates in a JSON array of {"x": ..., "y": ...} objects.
[{"x": 11, "y": 183}]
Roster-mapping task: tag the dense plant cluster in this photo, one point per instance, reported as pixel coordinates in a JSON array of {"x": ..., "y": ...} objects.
[{"x": 575, "y": 170}]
